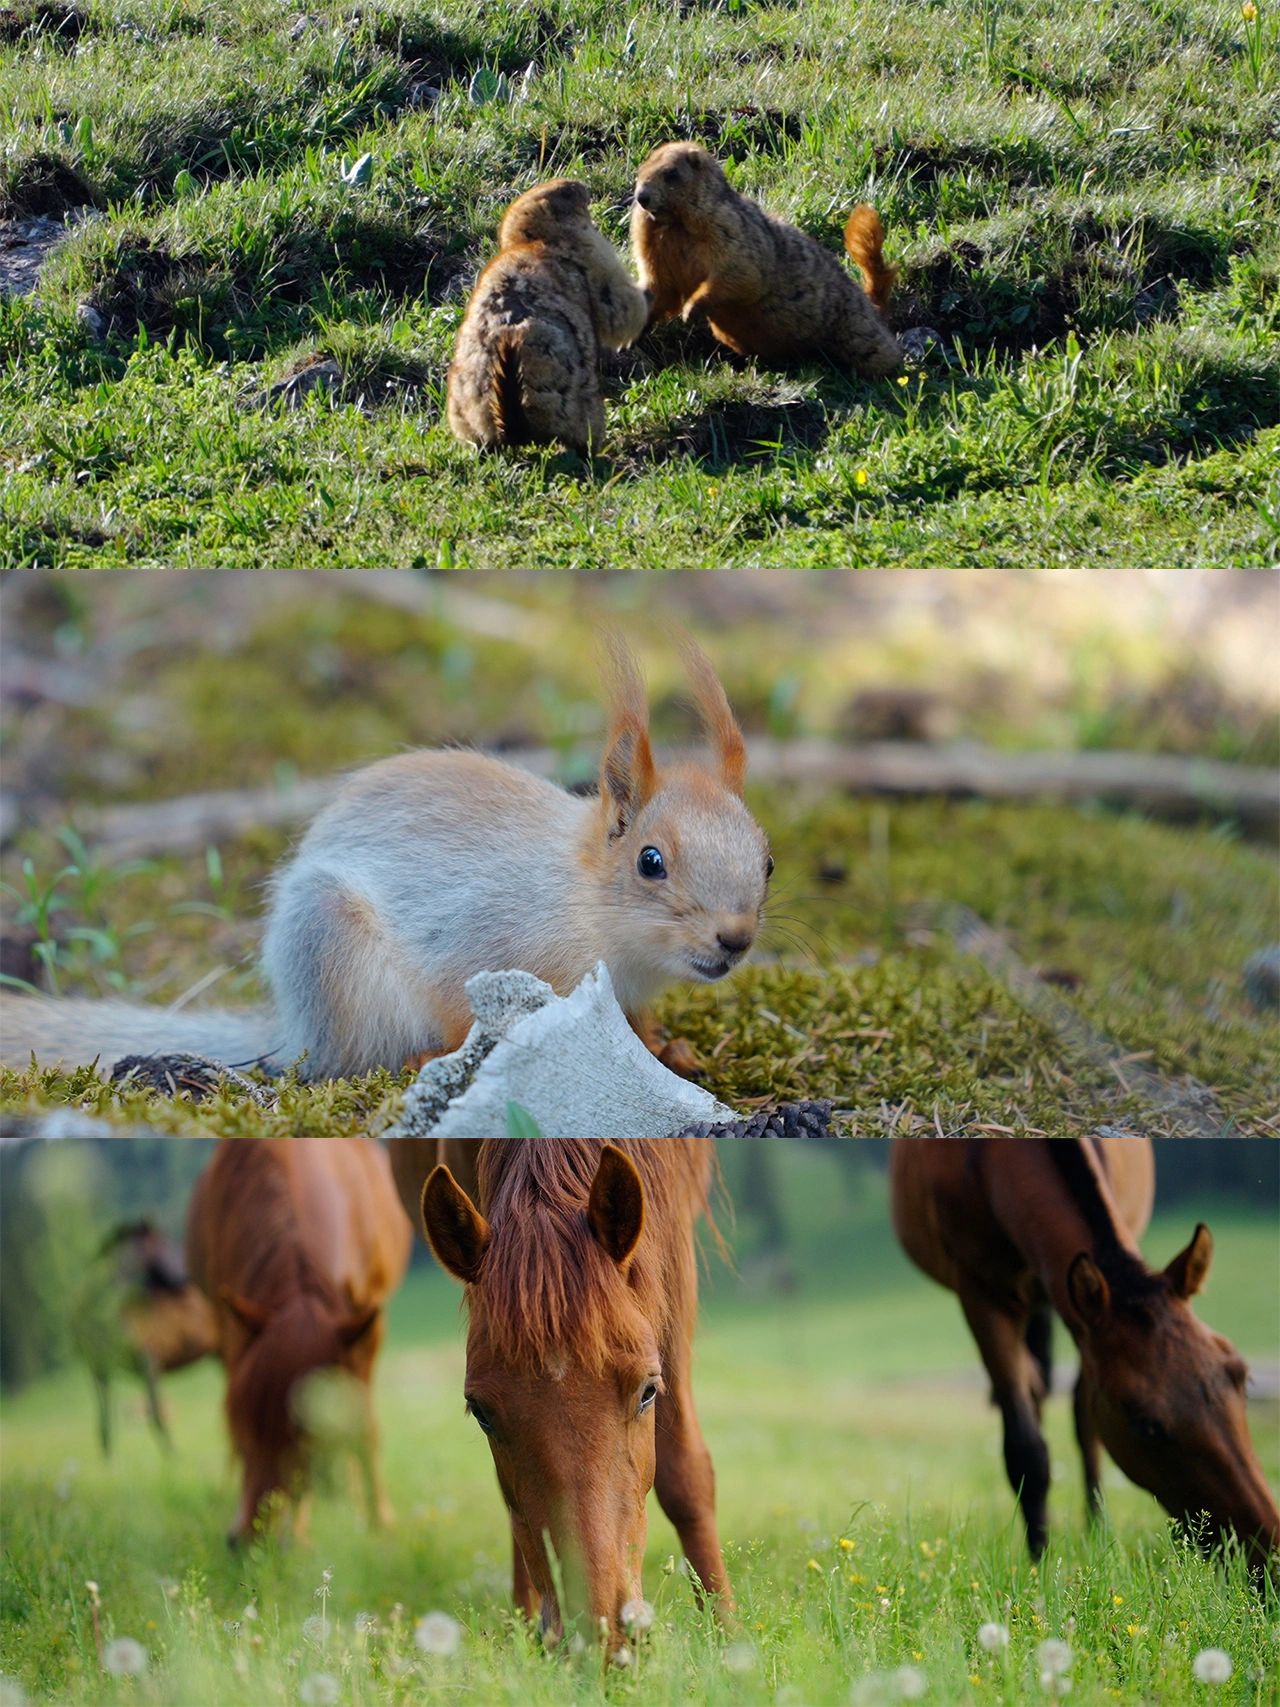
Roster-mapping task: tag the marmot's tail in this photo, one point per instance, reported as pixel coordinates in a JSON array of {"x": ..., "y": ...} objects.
[
  {"x": 75, "y": 1032},
  {"x": 506, "y": 400},
  {"x": 864, "y": 240}
]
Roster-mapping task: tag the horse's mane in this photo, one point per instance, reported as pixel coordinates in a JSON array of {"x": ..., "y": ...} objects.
[
  {"x": 1132, "y": 1283},
  {"x": 545, "y": 1286}
]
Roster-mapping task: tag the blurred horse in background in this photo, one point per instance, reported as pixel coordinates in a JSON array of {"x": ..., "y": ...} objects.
[
  {"x": 1016, "y": 1227},
  {"x": 298, "y": 1243},
  {"x": 137, "y": 1312},
  {"x": 579, "y": 1264}
]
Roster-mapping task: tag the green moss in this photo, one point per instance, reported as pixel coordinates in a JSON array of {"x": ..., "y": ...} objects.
[{"x": 869, "y": 1001}]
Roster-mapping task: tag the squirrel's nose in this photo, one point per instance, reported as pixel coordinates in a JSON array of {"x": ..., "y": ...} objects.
[
  {"x": 642, "y": 195},
  {"x": 734, "y": 942}
]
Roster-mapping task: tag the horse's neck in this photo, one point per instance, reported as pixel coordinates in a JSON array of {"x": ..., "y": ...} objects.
[{"x": 1040, "y": 1213}]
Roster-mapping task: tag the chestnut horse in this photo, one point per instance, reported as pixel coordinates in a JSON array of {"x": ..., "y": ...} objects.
[
  {"x": 298, "y": 1242},
  {"x": 581, "y": 1286},
  {"x": 137, "y": 1311},
  {"x": 1013, "y": 1227}
]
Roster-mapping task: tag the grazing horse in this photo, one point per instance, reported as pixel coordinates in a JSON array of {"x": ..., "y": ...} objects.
[
  {"x": 581, "y": 1284},
  {"x": 137, "y": 1311},
  {"x": 299, "y": 1242},
  {"x": 1014, "y": 1227}
]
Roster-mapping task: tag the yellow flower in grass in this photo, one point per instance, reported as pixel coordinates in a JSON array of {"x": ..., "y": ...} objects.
[
  {"x": 1248, "y": 11},
  {"x": 862, "y": 477},
  {"x": 847, "y": 1546}
]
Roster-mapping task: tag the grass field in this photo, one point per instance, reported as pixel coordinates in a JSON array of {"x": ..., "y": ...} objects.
[
  {"x": 848, "y": 1411},
  {"x": 1086, "y": 215}
]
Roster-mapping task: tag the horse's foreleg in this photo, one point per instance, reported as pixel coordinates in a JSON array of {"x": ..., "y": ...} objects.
[
  {"x": 102, "y": 1390},
  {"x": 523, "y": 1593},
  {"x": 1015, "y": 1386},
  {"x": 1087, "y": 1438},
  {"x": 154, "y": 1408},
  {"x": 685, "y": 1483},
  {"x": 380, "y": 1511}
]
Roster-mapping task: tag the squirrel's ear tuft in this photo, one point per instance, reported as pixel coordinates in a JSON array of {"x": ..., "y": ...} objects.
[
  {"x": 627, "y": 776},
  {"x": 717, "y": 719}
]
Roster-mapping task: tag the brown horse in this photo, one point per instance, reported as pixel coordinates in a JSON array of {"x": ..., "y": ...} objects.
[
  {"x": 579, "y": 1264},
  {"x": 1013, "y": 1227},
  {"x": 138, "y": 1312},
  {"x": 299, "y": 1242}
]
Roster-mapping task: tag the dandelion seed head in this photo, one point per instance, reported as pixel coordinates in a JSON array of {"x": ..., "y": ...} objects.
[
  {"x": 437, "y": 1634},
  {"x": 620, "y": 1657},
  {"x": 739, "y": 1658},
  {"x": 637, "y": 1616},
  {"x": 316, "y": 1628},
  {"x": 1054, "y": 1657},
  {"x": 908, "y": 1683},
  {"x": 1212, "y": 1665},
  {"x": 993, "y": 1638},
  {"x": 318, "y": 1690},
  {"x": 12, "y": 1693},
  {"x": 124, "y": 1657},
  {"x": 366, "y": 1623}
]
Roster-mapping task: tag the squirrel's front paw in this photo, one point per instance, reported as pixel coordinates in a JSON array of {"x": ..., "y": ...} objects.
[{"x": 679, "y": 1056}]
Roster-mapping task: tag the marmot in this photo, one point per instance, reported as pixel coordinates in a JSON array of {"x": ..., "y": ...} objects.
[
  {"x": 525, "y": 369},
  {"x": 766, "y": 288}
]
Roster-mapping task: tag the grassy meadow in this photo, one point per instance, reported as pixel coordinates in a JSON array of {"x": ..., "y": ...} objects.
[
  {"x": 1085, "y": 214},
  {"x": 862, "y": 1501}
]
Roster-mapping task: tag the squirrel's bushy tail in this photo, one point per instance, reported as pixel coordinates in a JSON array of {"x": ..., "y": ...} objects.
[
  {"x": 864, "y": 241},
  {"x": 75, "y": 1032},
  {"x": 506, "y": 399}
]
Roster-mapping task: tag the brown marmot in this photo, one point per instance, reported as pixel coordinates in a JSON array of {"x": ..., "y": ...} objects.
[
  {"x": 525, "y": 369},
  {"x": 766, "y": 288}
]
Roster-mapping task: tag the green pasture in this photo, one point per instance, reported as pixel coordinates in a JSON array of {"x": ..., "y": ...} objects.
[
  {"x": 1084, "y": 214},
  {"x": 848, "y": 1409}
]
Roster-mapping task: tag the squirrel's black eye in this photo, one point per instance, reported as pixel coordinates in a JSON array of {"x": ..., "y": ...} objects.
[
  {"x": 768, "y": 866},
  {"x": 650, "y": 863}
]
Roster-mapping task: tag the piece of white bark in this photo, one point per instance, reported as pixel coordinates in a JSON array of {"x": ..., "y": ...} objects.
[{"x": 571, "y": 1062}]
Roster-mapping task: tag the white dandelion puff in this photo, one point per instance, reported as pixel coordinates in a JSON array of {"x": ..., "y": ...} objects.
[
  {"x": 437, "y": 1634},
  {"x": 739, "y": 1658},
  {"x": 318, "y": 1690},
  {"x": 637, "y": 1616},
  {"x": 316, "y": 1628},
  {"x": 12, "y": 1693},
  {"x": 620, "y": 1657},
  {"x": 124, "y": 1657},
  {"x": 908, "y": 1683},
  {"x": 366, "y": 1623},
  {"x": 1054, "y": 1657},
  {"x": 993, "y": 1638},
  {"x": 1212, "y": 1665}
]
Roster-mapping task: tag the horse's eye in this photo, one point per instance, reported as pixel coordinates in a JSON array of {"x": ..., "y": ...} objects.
[
  {"x": 768, "y": 867},
  {"x": 648, "y": 1393},
  {"x": 650, "y": 863},
  {"x": 483, "y": 1419},
  {"x": 1147, "y": 1428}
]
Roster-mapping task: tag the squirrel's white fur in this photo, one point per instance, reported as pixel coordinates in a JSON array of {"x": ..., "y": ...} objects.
[{"x": 432, "y": 866}]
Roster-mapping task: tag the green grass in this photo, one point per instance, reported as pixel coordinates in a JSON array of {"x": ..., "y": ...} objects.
[
  {"x": 851, "y": 1409},
  {"x": 1087, "y": 218}
]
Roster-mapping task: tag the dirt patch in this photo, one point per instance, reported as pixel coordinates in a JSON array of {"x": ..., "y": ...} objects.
[
  {"x": 438, "y": 57},
  {"x": 739, "y": 432},
  {"x": 1103, "y": 277},
  {"x": 44, "y": 184},
  {"x": 924, "y": 162},
  {"x": 62, "y": 25},
  {"x": 24, "y": 246}
]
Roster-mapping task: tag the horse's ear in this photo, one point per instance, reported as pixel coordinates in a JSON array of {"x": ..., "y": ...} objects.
[
  {"x": 1189, "y": 1269},
  {"x": 1088, "y": 1290},
  {"x": 356, "y": 1327},
  {"x": 251, "y": 1316},
  {"x": 717, "y": 719},
  {"x": 627, "y": 774},
  {"x": 615, "y": 1209},
  {"x": 456, "y": 1230}
]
